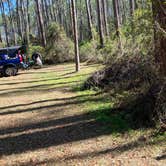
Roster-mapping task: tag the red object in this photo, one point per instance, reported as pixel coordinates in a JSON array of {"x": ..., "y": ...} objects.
[{"x": 21, "y": 59}]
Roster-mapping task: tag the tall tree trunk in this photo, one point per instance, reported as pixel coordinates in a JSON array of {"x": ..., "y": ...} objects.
[
  {"x": 105, "y": 20},
  {"x": 22, "y": 7},
  {"x": 39, "y": 36},
  {"x": 28, "y": 15},
  {"x": 47, "y": 12},
  {"x": 124, "y": 11},
  {"x": 119, "y": 11},
  {"x": 40, "y": 18},
  {"x": 0, "y": 37},
  {"x": 12, "y": 23},
  {"x": 44, "y": 14},
  {"x": 89, "y": 19},
  {"x": 4, "y": 22},
  {"x": 51, "y": 9},
  {"x": 26, "y": 21},
  {"x": 66, "y": 20},
  {"x": 117, "y": 22},
  {"x": 19, "y": 20},
  {"x": 100, "y": 23},
  {"x": 159, "y": 13},
  {"x": 77, "y": 59},
  {"x": 132, "y": 7},
  {"x": 81, "y": 29},
  {"x": 71, "y": 19},
  {"x": 136, "y": 4},
  {"x": 90, "y": 8}
]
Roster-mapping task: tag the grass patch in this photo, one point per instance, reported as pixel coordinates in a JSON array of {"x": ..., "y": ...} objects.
[
  {"x": 98, "y": 104},
  {"x": 101, "y": 105}
]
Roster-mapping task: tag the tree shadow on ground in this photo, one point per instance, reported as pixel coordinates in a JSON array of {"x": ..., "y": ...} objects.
[
  {"x": 42, "y": 80},
  {"x": 115, "y": 151},
  {"x": 69, "y": 129},
  {"x": 58, "y": 132},
  {"x": 55, "y": 105},
  {"x": 54, "y": 132},
  {"x": 51, "y": 133},
  {"x": 49, "y": 100},
  {"x": 37, "y": 88}
]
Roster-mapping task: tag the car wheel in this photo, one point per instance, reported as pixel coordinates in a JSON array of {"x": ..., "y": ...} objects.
[{"x": 10, "y": 71}]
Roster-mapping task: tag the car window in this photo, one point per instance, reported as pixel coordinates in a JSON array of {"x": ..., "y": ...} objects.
[
  {"x": 3, "y": 52},
  {"x": 12, "y": 52}
]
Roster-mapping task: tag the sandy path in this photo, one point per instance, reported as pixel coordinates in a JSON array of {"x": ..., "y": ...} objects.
[{"x": 44, "y": 125}]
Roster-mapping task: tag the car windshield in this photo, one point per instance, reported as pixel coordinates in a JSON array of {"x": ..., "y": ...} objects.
[
  {"x": 11, "y": 51},
  {"x": 3, "y": 52}
]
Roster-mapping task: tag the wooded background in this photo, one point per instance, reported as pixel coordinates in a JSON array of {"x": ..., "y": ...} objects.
[{"x": 120, "y": 24}]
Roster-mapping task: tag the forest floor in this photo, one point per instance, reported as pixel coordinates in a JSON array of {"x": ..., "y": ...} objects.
[{"x": 45, "y": 119}]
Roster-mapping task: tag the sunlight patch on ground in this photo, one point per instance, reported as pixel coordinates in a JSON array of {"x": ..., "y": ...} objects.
[{"x": 48, "y": 120}]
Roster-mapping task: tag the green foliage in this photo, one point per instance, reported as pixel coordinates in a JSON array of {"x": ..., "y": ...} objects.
[
  {"x": 87, "y": 51},
  {"x": 136, "y": 35},
  {"x": 138, "y": 32},
  {"x": 110, "y": 50},
  {"x": 38, "y": 48},
  {"x": 34, "y": 40},
  {"x": 59, "y": 47},
  {"x": 117, "y": 122}
]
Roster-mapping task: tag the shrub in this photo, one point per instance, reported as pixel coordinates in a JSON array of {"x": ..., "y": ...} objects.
[
  {"x": 138, "y": 76},
  {"x": 59, "y": 47},
  {"x": 37, "y": 48},
  {"x": 89, "y": 52}
]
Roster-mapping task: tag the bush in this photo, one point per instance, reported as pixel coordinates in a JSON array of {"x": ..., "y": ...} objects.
[
  {"x": 145, "y": 105},
  {"x": 90, "y": 53},
  {"x": 34, "y": 40},
  {"x": 124, "y": 72},
  {"x": 132, "y": 71},
  {"x": 136, "y": 35},
  {"x": 37, "y": 48},
  {"x": 59, "y": 47}
]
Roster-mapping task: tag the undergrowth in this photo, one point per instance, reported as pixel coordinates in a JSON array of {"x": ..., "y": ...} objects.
[{"x": 105, "y": 106}]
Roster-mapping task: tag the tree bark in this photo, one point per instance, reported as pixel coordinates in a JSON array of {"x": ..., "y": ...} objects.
[
  {"x": 19, "y": 20},
  {"x": 159, "y": 13},
  {"x": 89, "y": 19},
  {"x": 51, "y": 9},
  {"x": 0, "y": 37},
  {"x": 100, "y": 23},
  {"x": 71, "y": 19},
  {"x": 40, "y": 18},
  {"x": 77, "y": 59},
  {"x": 117, "y": 22},
  {"x": 132, "y": 7},
  {"x": 25, "y": 7},
  {"x": 12, "y": 23},
  {"x": 136, "y": 4},
  {"x": 104, "y": 3},
  {"x": 4, "y": 22},
  {"x": 47, "y": 12}
]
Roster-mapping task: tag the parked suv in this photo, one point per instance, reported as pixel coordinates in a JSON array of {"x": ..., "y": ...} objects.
[{"x": 9, "y": 61}]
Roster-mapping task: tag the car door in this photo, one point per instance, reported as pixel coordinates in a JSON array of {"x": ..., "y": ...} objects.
[{"x": 3, "y": 53}]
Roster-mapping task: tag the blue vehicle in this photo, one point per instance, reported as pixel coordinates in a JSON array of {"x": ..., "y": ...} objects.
[{"x": 9, "y": 61}]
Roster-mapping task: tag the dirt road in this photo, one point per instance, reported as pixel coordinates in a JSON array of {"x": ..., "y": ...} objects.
[{"x": 43, "y": 122}]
